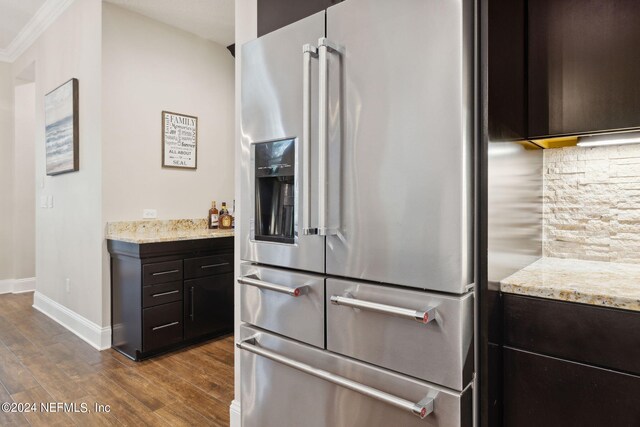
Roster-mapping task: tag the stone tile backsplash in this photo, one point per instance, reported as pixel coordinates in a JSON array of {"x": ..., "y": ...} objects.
[{"x": 591, "y": 205}]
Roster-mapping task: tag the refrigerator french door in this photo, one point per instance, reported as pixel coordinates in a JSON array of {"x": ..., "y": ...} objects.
[
  {"x": 279, "y": 150},
  {"x": 399, "y": 120}
]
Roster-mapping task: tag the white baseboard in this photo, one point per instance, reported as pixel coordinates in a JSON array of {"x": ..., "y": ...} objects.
[
  {"x": 24, "y": 285},
  {"x": 6, "y": 286},
  {"x": 98, "y": 337},
  {"x": 16, "y": 286},
  {"x": 234, "y": 414}
]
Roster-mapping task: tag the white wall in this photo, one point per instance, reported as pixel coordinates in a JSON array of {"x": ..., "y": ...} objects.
[
  {"x": 127, "y": 75},
  {"x": 149, "y": 67},
  {"x": 6, "y": 171},
  {"x": 24, "y": 187},
  {"x": 69, "y": 236},
  {"x": 246, "y": 30}
]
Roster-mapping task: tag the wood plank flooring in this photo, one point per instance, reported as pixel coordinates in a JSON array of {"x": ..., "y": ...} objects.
[{"x": 42, "y": 362}]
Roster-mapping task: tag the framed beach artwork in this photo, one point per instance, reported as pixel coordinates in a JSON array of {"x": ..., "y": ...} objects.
[{"x": 62, "y": 128}]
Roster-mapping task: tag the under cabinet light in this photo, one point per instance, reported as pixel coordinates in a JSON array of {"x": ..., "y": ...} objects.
[{"x": 609, "y": 139}]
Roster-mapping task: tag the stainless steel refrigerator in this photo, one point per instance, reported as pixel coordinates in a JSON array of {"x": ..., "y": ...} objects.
[{"x": 357, "y": 229}]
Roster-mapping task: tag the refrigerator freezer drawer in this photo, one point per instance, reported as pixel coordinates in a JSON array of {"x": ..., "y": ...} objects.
[
  {"x": 284, "y": 302},
  {"x": 289, "y": 384},
  {"x": 425, "y": 335}
]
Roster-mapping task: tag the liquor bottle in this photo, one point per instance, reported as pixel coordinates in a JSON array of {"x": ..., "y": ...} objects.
[
  {"x": 213, "y": 216},
  {"x": 225, "y": 218},
  {"x": 233, "y": 214}
]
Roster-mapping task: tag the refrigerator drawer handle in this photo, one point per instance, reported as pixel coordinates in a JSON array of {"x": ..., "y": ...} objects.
[
  {"x": 308, "y": 52},
  {"x": 421, "y": 316},
  {"x": 294, "y": 292},
  {"x": 420, "y": 409}
]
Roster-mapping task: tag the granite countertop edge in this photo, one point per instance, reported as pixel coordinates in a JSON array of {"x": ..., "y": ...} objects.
[
  {"x": 602, "y": 284},
  {"x": 156, "y": 231},
  {"x": 171, "y": 238}
]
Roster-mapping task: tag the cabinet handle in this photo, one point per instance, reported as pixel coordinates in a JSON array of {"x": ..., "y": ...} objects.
[
  {"x": 160, "y": 273},
  {"x": 192, "y": 314},
  {"x": 164, "y": 326},
  {"x": 161, "y": 294},
  {"x": 294, "y": 292},
  {"x": 420, "y": 316},
  {"x": 420, "y": 409},
  {"x": 204, "y": 267}
]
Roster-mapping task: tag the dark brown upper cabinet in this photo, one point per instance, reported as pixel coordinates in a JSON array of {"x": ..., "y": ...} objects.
[
  {"x": 274, "y": 14},
  {"x": 584, "y": 66},
  {"x": 506, "y": 57}
]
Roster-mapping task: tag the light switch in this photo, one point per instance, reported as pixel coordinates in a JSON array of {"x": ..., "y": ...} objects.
[
  {"x": 50, "y": 201},
  {"x": 43, "y": 201}
]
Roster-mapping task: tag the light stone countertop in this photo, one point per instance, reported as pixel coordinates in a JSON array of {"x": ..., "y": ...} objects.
[
  {"x": 153, "y": 231},
  {"x": 600, "y": 283}
]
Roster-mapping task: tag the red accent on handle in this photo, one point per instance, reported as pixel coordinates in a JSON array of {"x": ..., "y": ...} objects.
[
  {"x": 425, "y": 318},
  {"x": 296, "y": 292},
  {"x": 423, "y": 412}
]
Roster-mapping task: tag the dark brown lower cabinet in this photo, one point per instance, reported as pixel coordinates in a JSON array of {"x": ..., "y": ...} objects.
[
  {"x": 166, "y": 295},
  {"x": 568, "y": 364},
  {"x": 208, "y": 305},
  {"x": 546, "y": 391}
]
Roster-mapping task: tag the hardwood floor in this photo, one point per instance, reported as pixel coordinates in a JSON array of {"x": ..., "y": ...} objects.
[{"x": 42, "y": 362}]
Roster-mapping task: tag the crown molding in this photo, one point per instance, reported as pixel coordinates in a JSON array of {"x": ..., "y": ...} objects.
[{"x": 45, "y": 16}]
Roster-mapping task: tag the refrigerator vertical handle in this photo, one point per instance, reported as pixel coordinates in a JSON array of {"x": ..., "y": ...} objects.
[
  {"x": 324, "y": 48},
  {"x": 308, "y": 52}
]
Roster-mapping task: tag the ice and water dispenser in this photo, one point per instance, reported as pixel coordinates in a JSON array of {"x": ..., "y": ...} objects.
[{"x": 275, "y": 191}]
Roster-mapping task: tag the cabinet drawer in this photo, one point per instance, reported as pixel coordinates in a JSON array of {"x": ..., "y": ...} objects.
[
  {"x": 162, "y": 326},
  {"x": 267, "y": 304},
  {"x": 545, "y": 391},
  {"x": 367, "y": 323},
  {"x": 161, "y": 272},
  {"x": 599, "y": 336},
  {"x": 161, "y": 294},
  {"x": 207, "y": 265}
]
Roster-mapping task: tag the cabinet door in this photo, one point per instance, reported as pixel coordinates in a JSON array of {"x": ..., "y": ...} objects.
[
  {"x": 507, "y": 67},
  {"x": 550, "y": 392},
  {"x": 584, "y": 64},
  {"x": 208, "y": 305}
]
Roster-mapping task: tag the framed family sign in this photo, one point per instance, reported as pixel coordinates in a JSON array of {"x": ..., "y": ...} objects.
[{"x": 179, "y": 141}]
